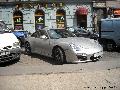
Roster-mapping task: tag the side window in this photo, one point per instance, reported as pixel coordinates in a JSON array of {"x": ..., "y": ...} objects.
[
  {"x": 53, "y": 34},
  {"x": 35, "y": 34},
  {"x": 43, "y": 32}
]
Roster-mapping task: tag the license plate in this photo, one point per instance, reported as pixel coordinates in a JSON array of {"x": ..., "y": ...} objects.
[
  {"x": 98, "y": 54},
  {"x": 5, "y": 53}
]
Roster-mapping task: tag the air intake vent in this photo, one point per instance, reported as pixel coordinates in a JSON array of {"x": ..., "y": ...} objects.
[{"x": 7, "y": 47}]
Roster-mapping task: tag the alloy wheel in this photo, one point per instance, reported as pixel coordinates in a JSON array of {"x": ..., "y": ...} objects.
[{"x": 59, "y": 56}]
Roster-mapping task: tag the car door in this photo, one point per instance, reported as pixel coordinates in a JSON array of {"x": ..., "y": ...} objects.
[
  {"x": 43, "y": 44},
  {"x": 34, "y": 42}
]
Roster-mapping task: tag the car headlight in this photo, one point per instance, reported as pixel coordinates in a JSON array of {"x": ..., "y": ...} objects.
[
  {"x": 74, "y": 47},
  {"x": 16, "y": 44}
]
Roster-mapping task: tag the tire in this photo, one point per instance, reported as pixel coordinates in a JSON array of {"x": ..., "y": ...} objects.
[
  {"x": 18, "y": 58},
  {"x": 110, "y": 46},
  {"x": 59, "y": 55},
  {"x": 27, "y": 48}
]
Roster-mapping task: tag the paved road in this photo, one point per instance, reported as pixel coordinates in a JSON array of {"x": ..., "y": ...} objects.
[
  {"x": 41, "y": 73},
  {"x": 38, "y": 64}
]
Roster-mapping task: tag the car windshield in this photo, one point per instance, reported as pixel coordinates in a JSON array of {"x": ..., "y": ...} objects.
[{"x": 60, "y": 33}]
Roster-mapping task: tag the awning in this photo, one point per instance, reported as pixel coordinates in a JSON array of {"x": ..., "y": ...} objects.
[{"x": 82, "y": 11}]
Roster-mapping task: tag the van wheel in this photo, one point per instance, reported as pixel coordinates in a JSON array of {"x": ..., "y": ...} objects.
[{"x": 110, "y": 46}]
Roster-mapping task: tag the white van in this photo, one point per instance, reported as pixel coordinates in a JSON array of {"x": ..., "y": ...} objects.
[
  {"x": 9, "y": 45},
  {"x": 110, "y": 33}
]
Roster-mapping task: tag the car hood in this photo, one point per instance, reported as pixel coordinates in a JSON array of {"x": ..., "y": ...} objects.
[
  {"x": 85, "y": 43},
  {"x": 7, "y": 39}
]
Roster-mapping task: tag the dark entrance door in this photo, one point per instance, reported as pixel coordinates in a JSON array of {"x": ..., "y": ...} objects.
[
  {"x": 81, "y": 14},
  {"x": 82, "y": 21}
]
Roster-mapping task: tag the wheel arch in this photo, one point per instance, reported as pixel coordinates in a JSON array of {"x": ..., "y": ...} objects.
[{"x": 57, "y": 46}]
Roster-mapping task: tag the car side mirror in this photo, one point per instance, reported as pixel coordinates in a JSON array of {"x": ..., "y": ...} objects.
[{"x": 43, "y": 37}]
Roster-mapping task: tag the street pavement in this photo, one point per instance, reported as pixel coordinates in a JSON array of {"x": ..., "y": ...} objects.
[
  {"x": 40, "y": 73},
  {"x": 39, "y": 65}
]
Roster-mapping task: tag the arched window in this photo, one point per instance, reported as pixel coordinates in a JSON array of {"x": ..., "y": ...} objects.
[
  {"x": 60, "y": 18},
  {"x": 18, "y": 20},
  {"x": 39, "y": 19}
]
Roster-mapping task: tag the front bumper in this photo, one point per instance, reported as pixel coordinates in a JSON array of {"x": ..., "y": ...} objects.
[
  {"x": 8, "y": 55},
  {"x": 82, "y": 57}
]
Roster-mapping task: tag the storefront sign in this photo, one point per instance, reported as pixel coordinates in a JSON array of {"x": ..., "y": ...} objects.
[
  {"x": 99, "y": 5},
  {"x": 39, "y": 20},
  {"x": 51, "y": 5},
  {"x": 60, "y": 19},
  {"x": 18, "y": 22}
]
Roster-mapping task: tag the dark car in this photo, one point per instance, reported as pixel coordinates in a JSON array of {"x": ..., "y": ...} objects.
[
  {"x": 21, "y": 35},
  {"x": 80, "y": 32}
]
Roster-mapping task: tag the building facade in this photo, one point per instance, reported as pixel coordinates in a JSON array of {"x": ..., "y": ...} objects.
[
  {"x": 33, "y": 15},
  {"x": 104, "y": 9}
]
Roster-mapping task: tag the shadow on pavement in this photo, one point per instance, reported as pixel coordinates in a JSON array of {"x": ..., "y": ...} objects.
[
  {"x": 45, "y": 59},
  {"x": 41, "y": 57},
  {"x": 8, "y": 63}
]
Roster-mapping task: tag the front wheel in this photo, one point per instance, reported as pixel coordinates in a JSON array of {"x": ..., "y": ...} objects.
[
  {"x": 27, "y": 48},
  {"x": 110, "y": 46},
  {"x": 59, "y": 55}
]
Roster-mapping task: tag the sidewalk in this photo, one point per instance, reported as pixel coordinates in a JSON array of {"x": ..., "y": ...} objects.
[{"x": 94, "y": 80}]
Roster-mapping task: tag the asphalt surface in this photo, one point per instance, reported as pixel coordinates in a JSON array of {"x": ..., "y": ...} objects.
[
  {"x": 41, "y": 73},
  {"x": 37, "y": 64}
]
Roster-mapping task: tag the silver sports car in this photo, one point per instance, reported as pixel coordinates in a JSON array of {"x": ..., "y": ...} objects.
[{"x": 63, "y": 46}]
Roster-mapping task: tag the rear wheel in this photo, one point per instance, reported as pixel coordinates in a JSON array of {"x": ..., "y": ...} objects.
[
  {"x": 27, "y": 48},
  {"x": 59, "y": 55}
]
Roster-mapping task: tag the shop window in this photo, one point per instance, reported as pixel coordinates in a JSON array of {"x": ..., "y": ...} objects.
[
  {"x": 81, "y": 14},
  {"x": 116, "y": 13},
  {"x": 60, "y": 18},
  {"x": 39, "y": 19},
  {"x": 18, "y": 20}
]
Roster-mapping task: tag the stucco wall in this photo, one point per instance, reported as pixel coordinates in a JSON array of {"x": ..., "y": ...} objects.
[{"x": 6, "y": 14}]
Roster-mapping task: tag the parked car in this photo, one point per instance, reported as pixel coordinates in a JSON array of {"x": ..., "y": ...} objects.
[
  {"x": 21, "y": 35},
  {"x": 63, "y": 46},
  {"x": 80, "y": 32},
  {"x": 9, "y": 45}
]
